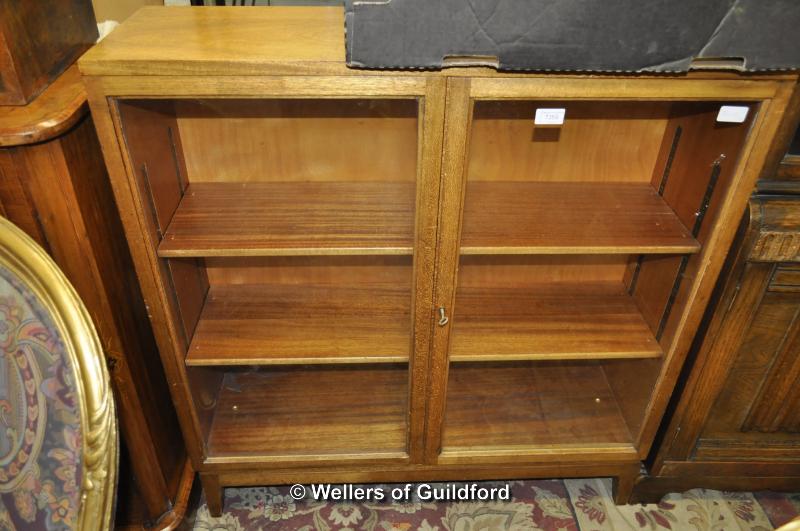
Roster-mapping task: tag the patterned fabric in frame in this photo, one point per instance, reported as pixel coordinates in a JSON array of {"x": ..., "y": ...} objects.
[{"x": 40, "y": 428}]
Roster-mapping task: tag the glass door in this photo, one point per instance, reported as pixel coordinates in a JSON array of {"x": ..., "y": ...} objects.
[
  {"x": 581, "y": 223},
  {"x": 288, "y": 238}
]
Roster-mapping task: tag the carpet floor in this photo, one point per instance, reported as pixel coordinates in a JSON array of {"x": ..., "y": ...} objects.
[{"x": 574, "y": 504}]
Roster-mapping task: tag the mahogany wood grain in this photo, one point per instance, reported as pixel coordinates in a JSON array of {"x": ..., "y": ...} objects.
[
  {"x": 255, "y": 324},
  {"x": 549, "y": 322},
  {"x": 292, "y": 218},
  {"x": 298, "y": 414},
  {"x": 654, "y": 285},
  {"x": 569, "y": 217},
  {"x": 703, "y": 141},
  {"x": 190, "y": 285},
  {"x": 632, "y": 381},
  {"x": 204, "y": 386},
  {"x": 305, "y": 139},
  {"x": 518, "y": 405},
  {"x": 599, "y": 141},
  {"x": 370, "y": 270},
  {"x": 152, "y": 140},
  {"x": 530, "y": 271}
]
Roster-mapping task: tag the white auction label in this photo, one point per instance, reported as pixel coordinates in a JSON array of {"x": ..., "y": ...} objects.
[
  {"x": 549, "y": 116},
  {"x": 733, "y": 114}
]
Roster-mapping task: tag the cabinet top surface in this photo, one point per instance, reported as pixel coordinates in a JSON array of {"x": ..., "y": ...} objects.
[
  {"x": 224, "y": 40},
  {"x": 265, "y": 41}
]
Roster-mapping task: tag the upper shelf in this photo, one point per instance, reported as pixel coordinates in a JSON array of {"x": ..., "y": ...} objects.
[
  {"x": 570, "y": 218},
  {"x": 377, "y": 218},
  {"x": 286, "y": 218}
]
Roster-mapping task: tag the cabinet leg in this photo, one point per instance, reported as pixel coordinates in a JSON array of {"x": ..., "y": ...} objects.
[
  {"x": 213, "y": 491},
  {"x": 623, "y": 487}
]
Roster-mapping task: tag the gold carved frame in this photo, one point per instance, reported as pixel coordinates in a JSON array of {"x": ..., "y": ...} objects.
[{"x": 25, "y": 259}]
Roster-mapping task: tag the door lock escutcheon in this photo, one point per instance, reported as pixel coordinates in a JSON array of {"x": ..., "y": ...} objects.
[{"x": 443, "y": 319}]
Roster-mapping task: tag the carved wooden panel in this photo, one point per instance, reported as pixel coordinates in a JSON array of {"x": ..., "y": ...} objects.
[
  {"x": 777, "y": 405},
  {"x": 777, "y": 246},
  {"x": 779, "y": 237}
]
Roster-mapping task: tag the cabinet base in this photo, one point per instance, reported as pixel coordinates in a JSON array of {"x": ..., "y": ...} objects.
[
  {"x": 729, "y": 476},
  {"x": 624, "y": 475}
]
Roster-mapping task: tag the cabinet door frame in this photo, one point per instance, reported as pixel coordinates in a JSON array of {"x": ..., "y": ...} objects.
[
  {"x": 142, "y": 236},
  {"x": 771, "y": 97}
]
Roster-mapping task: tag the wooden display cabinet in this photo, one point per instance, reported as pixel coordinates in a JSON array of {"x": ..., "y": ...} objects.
[{"x": 394, "y": 276}]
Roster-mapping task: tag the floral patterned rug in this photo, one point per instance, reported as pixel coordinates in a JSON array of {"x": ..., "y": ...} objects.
[{"x": 573, "y": 504}]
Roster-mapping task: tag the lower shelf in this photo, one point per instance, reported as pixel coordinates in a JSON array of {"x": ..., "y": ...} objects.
[
  {"x": 596, "y": 320},
  {"x": 255, "y": 324},
  {"x": 309, "y": 413},
  {"x": 530, "y": 405}
]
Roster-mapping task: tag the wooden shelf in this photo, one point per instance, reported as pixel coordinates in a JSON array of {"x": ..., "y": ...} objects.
[
  {"x": 596, "y": 320},
  {"x": 297, "y": 412},
  {"x": 530, "y": 404},
  {"x": 292, "y": 218},
  {"x": 261, "y": 324},
  {"x": 570, "y": 218}
]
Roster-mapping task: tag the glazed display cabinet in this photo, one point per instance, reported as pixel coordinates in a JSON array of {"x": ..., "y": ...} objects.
[{"x": 392, "y": 276}]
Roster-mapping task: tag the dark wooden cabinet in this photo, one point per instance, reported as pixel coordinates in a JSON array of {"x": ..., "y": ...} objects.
[
  {"x": 38, "y": 41},
  {"x": 735, "y": 423}
]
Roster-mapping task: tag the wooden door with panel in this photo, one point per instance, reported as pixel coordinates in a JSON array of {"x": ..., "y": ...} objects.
[
  {"x": 288, "y": 260},
  {"x": 575, "y": 260}
]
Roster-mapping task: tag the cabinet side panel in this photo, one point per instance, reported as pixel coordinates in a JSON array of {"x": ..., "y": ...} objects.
[
  {"x": 190, "y": 283},
  {"x": 139, "y": 222},
  {"x": 150, "y": 422},
  {"x": 698, "y": 159},
  {"x": 746, "y": 149},
  {"x": 150, "y": 129}
]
